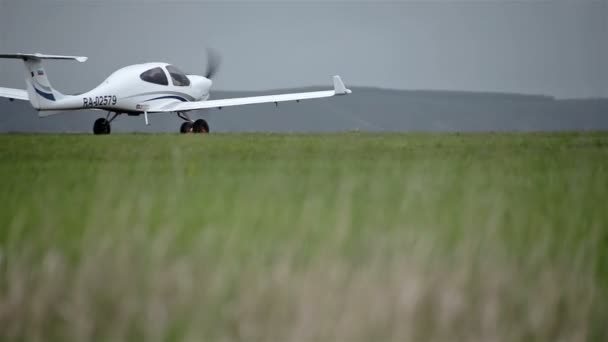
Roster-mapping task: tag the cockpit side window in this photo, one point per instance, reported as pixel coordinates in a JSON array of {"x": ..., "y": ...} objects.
[
  {"x": 156, "y": 76},
  {"x": 179, "y": 78}
]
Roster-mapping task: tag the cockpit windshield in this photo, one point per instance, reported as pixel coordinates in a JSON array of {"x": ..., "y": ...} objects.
[
  {"x": 179, "y": 78},
  {"x": 156, "y": 76}
]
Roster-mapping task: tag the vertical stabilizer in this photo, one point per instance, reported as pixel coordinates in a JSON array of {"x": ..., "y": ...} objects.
[
  {"x": 40, "y": 92},
  {"x": 39, "y": 89}
]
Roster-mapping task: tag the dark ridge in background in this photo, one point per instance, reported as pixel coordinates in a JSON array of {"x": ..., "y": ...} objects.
[{"x": 367, "y": 109}]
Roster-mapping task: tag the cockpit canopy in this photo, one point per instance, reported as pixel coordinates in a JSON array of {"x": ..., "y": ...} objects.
[
  {"x": 178, "y": 77},
  {"x": 158, "y": 76}
]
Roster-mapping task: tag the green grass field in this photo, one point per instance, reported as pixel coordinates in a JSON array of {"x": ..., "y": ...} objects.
[{"x": 341, "y": 237}]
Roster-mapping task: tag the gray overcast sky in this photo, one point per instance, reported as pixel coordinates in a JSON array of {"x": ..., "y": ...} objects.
[{"x": 558, "y": 48}]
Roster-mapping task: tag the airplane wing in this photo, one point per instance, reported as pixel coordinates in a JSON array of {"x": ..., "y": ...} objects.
[
  {"x": 339, "y": 89},
  {"x": 16, "y": 94}
]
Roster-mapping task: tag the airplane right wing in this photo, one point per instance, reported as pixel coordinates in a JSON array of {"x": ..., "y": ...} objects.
[{"x": 339, "y": 89}]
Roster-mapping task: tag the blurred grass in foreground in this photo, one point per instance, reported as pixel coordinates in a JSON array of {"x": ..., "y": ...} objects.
[{"x": 345, "y": 237}]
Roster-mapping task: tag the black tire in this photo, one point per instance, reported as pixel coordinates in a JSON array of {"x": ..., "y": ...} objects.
[
  {"x": 101, "y": 126},
  {"x": 200, "y": 126},
  {"x": 186, "y": 127}
]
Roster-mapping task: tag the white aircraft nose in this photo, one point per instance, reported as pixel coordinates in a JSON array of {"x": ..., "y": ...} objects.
[
  {"x": 201, "y": 84},
  {"x": 208, "y": 82},
  {"x": 204, "y": 83}
]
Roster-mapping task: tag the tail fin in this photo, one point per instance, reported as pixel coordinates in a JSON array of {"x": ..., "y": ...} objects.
[{"x": 41, "y": 94}]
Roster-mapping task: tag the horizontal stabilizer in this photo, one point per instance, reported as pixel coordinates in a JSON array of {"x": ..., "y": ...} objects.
[
  {"x": 39, "y": 56},
  {"x": 14, "y": 94}
]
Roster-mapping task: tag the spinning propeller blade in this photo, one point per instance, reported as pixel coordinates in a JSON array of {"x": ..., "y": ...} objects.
[{"x": 213, "y": 63}]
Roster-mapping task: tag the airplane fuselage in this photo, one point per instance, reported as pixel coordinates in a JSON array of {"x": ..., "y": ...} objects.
[{"x": 125, "y": 91}]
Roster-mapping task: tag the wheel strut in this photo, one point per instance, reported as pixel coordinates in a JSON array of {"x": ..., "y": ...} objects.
[
  {"x": 184, "y": 116},
  {"x": 113, "y": 117}
]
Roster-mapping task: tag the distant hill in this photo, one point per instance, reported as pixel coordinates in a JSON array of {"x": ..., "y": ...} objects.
[{"x": 367, "y": 109}]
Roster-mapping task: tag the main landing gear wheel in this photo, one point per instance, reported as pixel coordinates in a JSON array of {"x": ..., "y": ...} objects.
[
  {"x": 186, "y": 127},
  {"x": 101, "y": 126},
  {"x": 200, "y": 126}
]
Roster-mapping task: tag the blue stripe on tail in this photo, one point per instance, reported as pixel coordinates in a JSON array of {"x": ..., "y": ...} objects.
[{"x": 47, "y": 96}]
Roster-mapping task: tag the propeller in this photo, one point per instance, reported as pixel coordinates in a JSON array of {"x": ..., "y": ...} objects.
[{"x": 213, "y": 63}]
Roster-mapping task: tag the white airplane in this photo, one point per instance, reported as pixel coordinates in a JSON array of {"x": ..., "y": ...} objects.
[{"x": 139, "y": 89}]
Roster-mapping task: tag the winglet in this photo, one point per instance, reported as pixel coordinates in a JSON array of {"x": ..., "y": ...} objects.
[{"x": 339, "y": 87}]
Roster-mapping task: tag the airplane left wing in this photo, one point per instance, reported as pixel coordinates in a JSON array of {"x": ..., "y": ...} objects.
[
  {"x": 16, "y": 94},
  {"x": 339, "y": 89}
]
